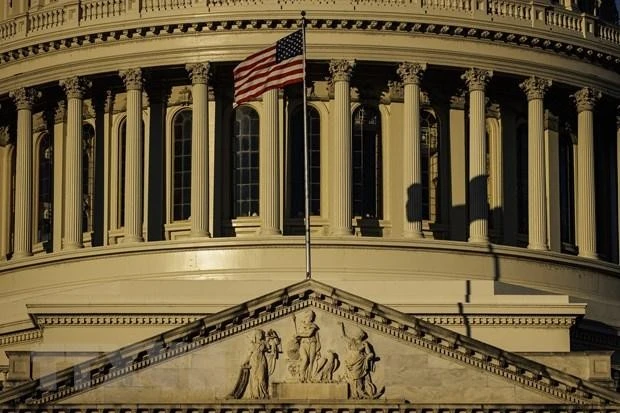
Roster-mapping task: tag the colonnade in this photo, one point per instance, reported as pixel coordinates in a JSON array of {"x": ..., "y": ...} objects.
[{"x": 340, "y": 214}]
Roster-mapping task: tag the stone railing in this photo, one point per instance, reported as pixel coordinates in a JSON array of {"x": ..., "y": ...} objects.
[{"x": 88, "y": 14}]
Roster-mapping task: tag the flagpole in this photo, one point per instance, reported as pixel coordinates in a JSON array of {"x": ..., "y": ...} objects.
[{"x": 306, "y": 154}]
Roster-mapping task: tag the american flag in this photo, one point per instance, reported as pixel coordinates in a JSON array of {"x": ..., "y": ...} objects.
[{"x": 279, "y": 65}]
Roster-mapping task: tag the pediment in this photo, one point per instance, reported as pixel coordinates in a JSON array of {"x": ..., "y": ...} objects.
[{"x": 309, "y": 342}]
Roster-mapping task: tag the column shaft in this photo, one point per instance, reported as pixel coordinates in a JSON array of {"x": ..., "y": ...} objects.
[
  {"x": 200, "y": 150},
  {"x": 537, "y": 211},
  {"x": 269, "y": 165},
  {"x": 586, "y": 204},
  {"x": 6, "y": 152},
  {"x": 478, "y": 201},
  {"x": 342, "y": 208},
  {"x": 412, "y": 162},
  {"x": 133, "y": 157},
  {"x": 22, "y": 242},
  {"x": 73, "y": 176}
]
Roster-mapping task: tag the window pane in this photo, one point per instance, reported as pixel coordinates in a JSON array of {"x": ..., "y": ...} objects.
[
  {"x": 245, "y": 161},
  {"x": 182, "y": 164}
]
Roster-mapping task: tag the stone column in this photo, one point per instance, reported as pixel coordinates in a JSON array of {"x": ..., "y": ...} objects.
[
  {"x": 618, "y": 173},
  {"x": 341, "y": 71},
  {"x": 477, "y": 80},
  {"x": 24, "y": 100},
  {"x": 134, "y": 153},
  {"x": 60, "y": 124},
  {"x": 6, "y": 152},
  {"x": 552, "y": 166},
  {"x": 269, "y": 166},
  {"x": 199, "y": 73},
  {"x": 535, "y": 89},
  {"x": 74, "y": 88},
  {"x": 585, "y": 100},
  {"x": 411, "y": 75}
]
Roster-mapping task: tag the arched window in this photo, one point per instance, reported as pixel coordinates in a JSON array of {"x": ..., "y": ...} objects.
[
  {"x": 429, "y": 150},
  {"x": 567, "y": 192},
  {"x": 182, "y": 190},
  {"x": 245, "y": 162},
  {"x": 522, "y": 179},
  {"x": 297, "y": 162},
  {"x": 46, "y": 188},
  {"x": 367, "y": 163},
  {"x": 88, "y": 176}
]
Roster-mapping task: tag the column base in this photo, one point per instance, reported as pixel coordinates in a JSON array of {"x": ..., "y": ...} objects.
[
  {"x": 478, "y": 240},
  {"x": 72, "y": 246},
  {"x": 200, "y": 234},
  {"x": 269, "y": 231},
  {"x": 538, "y": 247},
  {"x": 132, "y": 239},
  {"x": 413, "y": 235},
  {"x": 342, "y": 232},
  {"x": 588, "y": 254},
  {"x": 21, "y": 254}
]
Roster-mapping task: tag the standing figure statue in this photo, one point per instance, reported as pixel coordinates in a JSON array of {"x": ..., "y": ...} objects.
[
  {"x": 255, "y": 371},
  {"x": 360, "y": 363},
  {"x": 307, "y": 336}
]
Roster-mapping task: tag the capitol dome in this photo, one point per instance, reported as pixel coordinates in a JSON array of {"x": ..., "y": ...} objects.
[{"x": 464, "y": 207}]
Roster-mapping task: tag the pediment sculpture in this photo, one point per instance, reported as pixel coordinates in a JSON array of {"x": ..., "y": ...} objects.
[{"x": 309, "y": 363}]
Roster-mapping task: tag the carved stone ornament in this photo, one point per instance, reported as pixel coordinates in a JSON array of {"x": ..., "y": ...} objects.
[
  {"x": 24, "y": 98},
  {"x": 5, "y": 136},
  {"x": 535, "y": 87},
  {"x": 132, "y": 78},
  {"x": 311, "y": 368},
  {"x": 199, "y": 72},
  {"x": 341, "y": 70},
  {"x": 457, "y": 102},
  {"x": 75, "y": 87},
  {"x": 108, "y": 106},
  {"x": 411, "y": 73},
  {"x": 60, "y": 115},
  {"x": 477, "y": 79},
  {"x": 586, "y": 98}
]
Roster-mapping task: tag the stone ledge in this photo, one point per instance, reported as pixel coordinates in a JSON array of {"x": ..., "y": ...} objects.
[{"x": 310, "y": 391}]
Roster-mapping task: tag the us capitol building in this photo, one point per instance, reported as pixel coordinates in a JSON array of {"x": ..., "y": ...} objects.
[{"x": 464, "y": 200}]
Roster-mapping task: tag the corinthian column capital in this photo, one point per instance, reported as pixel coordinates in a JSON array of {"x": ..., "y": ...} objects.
[
  {"x": 535, "y": 87},
  {"x": 477, "y": 79},
  {"x": 586, "y": 98},
  {"x": 132, "y": 78},
  {"x": 411, "y": 73},
  {"x": 24, "y": 98},
  {"x": 341, "y": 70},
  {"x": 75, "y": 87},
  {"x": 199, "y": 72}
]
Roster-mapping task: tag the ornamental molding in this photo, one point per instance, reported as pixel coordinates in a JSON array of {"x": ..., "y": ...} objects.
[
  {"x": 5, "y": 136},
  {"x": 341, "y": 70},
  {"x": 305, "y": 298},
  {"x": 255, "y": 406},
  {"x": 477, "y": 79},
  {"x": 586, "y": 99},
  {"x": 24, "y": 98},
  {"x": 60, "y": 112},
  {"x": 75, "y": 87},
  {"x": 21, "y": 337},
  {"x": 411, "y": 73},
  {"x": 535, "y": 87},
  {"x": 199, "y": 73}
]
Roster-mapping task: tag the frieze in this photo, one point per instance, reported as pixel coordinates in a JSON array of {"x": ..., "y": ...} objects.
[{"x": 299, "y": 299}]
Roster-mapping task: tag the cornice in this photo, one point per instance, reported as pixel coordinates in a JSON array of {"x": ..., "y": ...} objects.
[
  {"x": 547, "y": 42},
  {"x": 241, "y": 318}
]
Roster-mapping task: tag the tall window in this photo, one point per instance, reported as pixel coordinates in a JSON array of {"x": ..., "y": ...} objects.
[
  {"x": 122, "y": 147},
  {"x": 46, "y": 187},
  {"x": 367, "y": 163},
  {"x": 522, "y": 179},
  {"x": 567, "y": 193},
  {"x": 88, "y": 176},
  {"x": 429, "y": 150},
  {"x": 297, "y": 162},
  {"x": 182, "y": 129},
  {"x": 245, "y": 162}
]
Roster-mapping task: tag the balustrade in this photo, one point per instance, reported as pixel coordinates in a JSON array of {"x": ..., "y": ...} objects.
[{"x": 92, "y": 12}]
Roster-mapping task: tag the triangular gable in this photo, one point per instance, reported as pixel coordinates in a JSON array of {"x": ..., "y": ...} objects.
[{"x": 382, "y": 327}]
